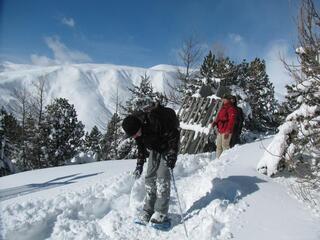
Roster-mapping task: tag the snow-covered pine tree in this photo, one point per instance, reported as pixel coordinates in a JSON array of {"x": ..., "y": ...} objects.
[
  {"x": 142, "y": 97},
  {"x": 64, "y": 132},
  {"x": 207, "y": 71},
  {"x": 242, "y": 74},
  {"x": 260, "y": 92},
  {"x": 30, "y": 143},
  {"x": 10, "y": 135},
  {"x": 225, "y": 70},
  {"x": 92, "y": 143},
  {"x": 112, "y": 139},
  {"x": 207, "y": 67}
]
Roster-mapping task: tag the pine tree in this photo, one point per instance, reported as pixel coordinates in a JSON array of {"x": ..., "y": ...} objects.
[
  {"x": 10, "y": 135},
  {"x": 260, "y": 92},
  {"x": 112, "y": 138},
  {"x": 225, "y": 70},
  {"x": 142, "y": 97},
  {"x": 242, "y": 74},
  {"x": 30, "y": 143},
  {"x": 92, "y": 143},
  {"x": 63, "y": 132},
  {"x": 207, "y": 72},
  {"x": 207, "y": 67}
]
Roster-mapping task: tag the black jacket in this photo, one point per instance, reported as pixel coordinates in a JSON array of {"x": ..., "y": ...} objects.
[
  {"x": 235, "y": 138},
  {"x": 160, "y": 131}
]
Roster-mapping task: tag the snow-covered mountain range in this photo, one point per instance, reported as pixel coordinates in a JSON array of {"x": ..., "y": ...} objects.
[{"x": 92, "y": 88}]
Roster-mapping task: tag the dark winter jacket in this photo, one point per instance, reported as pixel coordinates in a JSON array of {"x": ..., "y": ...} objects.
[
  {"x": 235, "y": 139},
  {"x": 160, "y": 131},
  {"x": 226, "y": 119}
]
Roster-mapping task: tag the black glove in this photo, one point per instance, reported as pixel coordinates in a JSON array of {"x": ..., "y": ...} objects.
[
  {"x": 171, "y": 158},
  {"x": 138, "y": 171}
]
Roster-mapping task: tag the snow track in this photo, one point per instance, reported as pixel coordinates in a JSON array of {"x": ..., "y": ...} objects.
[
  {"x": 106, "y": 210},
  {"x": 221, "y": 199}
]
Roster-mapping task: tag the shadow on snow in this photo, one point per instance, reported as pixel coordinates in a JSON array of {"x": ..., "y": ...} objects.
[
  {"x": 231, "y": 189},
  {"x": 35, "y": 187}
]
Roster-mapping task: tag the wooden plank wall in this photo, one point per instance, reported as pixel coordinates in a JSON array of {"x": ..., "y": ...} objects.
[{"x": 196, "y": 111}]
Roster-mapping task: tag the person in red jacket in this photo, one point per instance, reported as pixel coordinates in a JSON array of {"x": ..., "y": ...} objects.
[{"x": 225, "y": 122}]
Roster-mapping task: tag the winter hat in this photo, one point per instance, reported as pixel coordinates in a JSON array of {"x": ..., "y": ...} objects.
[
  {"x": 226, "y": 96},
  {"x": 131, "y": 125}
]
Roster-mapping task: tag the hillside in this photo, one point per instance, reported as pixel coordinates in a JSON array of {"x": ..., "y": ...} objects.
[
  {"x": 92, "y": 88},
  {"x": 221, "y": 199}
]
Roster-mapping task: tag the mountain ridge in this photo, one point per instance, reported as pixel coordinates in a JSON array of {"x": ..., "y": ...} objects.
[{"x": 91, "y": 88}]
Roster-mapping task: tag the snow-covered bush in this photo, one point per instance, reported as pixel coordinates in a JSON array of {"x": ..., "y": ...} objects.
[
  {"x": 297, "y": 145},
  {"x": 83, "y": 157}
]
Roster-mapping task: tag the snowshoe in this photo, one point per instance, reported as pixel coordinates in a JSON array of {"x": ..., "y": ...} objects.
[
  {"x": 163, "y": 226},
  {"x": 160, "y": 221}
]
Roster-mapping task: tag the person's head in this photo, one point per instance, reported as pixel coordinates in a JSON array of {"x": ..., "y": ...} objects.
[
  {"x": 233, "y": 100},
  {"x": 132, "y": 126},
  {"x": 226, "y": 98}
]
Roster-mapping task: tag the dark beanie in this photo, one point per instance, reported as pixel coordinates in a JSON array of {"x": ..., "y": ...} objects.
[{"x": 131, "y": 125}]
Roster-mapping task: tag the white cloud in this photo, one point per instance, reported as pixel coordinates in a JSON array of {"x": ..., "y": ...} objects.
[
  {"x": 42, "y": 60},
  {"x": 237, "y": 47},
  {"x": 236, "y": 38},
  {"x": 275, "y": 68},
  {"x": 68, "y": 22},
  {"x": 61, "y": 53}
]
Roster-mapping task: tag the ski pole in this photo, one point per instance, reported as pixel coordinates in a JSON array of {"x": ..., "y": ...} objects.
[{"x": 176, "y": 190}]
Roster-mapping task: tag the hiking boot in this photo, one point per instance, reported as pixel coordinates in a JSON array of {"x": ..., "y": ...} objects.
[
  {"x": 158, "y": 218},
  {"x": 143, "y": 218},
  {"x": 160, "y": 221}
]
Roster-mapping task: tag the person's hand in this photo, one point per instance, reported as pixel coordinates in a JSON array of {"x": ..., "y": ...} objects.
[
  {"x": 226, "y": 135},
  {"x": 171, "y": 159},
  {"x": 138, "y": 171}
]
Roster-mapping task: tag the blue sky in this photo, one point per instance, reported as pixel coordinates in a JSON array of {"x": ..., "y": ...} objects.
[{"x": 142, "y": 32}]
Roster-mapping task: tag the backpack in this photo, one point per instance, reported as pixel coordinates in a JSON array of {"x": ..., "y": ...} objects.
[{"x": 166, "y": 116}]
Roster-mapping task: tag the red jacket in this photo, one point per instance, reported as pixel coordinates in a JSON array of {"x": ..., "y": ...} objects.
[{"x": 226, "y": 118}]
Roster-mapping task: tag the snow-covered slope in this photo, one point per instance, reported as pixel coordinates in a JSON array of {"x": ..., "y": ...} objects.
[
  {"x": 221, "y": 199},
  {"x": 92, "y": 88}
]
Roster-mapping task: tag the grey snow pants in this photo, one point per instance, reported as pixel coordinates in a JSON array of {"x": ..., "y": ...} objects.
[{"x": 157, "y": 184}]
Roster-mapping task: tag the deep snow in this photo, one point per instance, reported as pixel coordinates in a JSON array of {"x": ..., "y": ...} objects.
[{"x": 221, "y": 199}]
